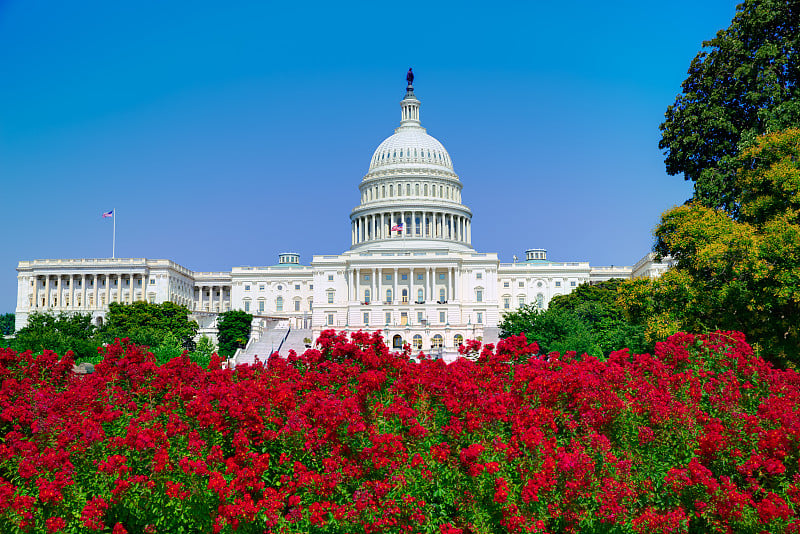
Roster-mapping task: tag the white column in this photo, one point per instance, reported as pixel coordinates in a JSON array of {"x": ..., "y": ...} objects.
[
  {"x": 424, "y": 226},
  {"x": 383, "y": 227},
  {"x": 374, "y": 284},
  {"x": 83, "y": 291},
  {"x": 395, "y": 297},
  {"x": 358, "y": 283},
  {"x": 469, "y": 231},
  {"x": 59, "y": 299},
  {"x": 96, "y": 280}
]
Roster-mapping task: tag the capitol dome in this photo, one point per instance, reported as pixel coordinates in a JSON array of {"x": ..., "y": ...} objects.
[{"x": 410, "y": 196}]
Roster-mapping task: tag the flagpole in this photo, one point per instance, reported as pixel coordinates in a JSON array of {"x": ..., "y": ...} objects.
[{"x": 114, "y": 235}]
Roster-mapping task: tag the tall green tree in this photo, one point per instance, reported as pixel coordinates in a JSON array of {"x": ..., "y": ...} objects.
[
  {"x": 59, "y": 333},
  {"x": 7, "y": 324},
  {"x": 745, "y": 83},
  {"x": 734, "y": 274},
  {"x": 149, "y": 324},
  {"x": 233, "y": 331}
]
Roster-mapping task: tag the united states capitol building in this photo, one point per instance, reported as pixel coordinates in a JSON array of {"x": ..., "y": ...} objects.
[{"x": 411, "y": 270}]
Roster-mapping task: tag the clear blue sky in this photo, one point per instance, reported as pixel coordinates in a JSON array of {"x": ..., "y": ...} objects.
[{"x": 224, "y": 133}]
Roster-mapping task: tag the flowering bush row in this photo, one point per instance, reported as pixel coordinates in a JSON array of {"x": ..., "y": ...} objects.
[{"x": 702, "y": 436}]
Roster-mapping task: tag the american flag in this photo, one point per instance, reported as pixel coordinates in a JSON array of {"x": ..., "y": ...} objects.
[
  {"x": 108, "y": 214},
  {"x": 397, "y": 227}
]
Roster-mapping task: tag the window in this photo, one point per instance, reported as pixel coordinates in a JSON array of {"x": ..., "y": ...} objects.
[
  {"x": 437, "y": 341},
  {"x": 366, "y": 318},
  {"x": 479, "y": 295},
  {"x": 442, "y": 317},
  {"x": 420, "y": 295},
  {"x": 310, "y": 286},
  {"x": 330, "y": 278},
  {"x": 458, "y": 340},
  {"x": 522, "y": 284},
  {"x": 279, "y": 304},
  {"x": 247, "y": 287},
  {"x": 558, "y": 284},
  {"x": 261, "y": 287},
  {"x": 388, "y": 277},
  {"x": 297, "y": 287},
  {"x": 521, "y": 301},
  {"x": 417, "y": 341},
  {"x": 479, "y": 318},
  {"x": 329, "y": 320},
  {"x": 366, "y": 278},
  {"x": 540, "y": 301},
  {"x": 442, "y": 295},
  {"x": 506, "y": 284},
  {"x": 405, "y": 296},
  {"x": 388, "y": 317},
  {"x": 479, "y": 276},
  {"x": 388, "y": 295},
  {"x": 280, "y": 288},
  {"x": 247, "y": 305},
  {"x": 539, "y": 284},
  {"x": 403, "y": 277},
  {"x": 261, "y": 305},
  {"x": 572, "y": 284},
  {"x": 506, "y": 303},
  {"x": 419, "y": 277},
  {"x": 441, "y": 276},
  {"x": 366, "y": 296},
  {"x": 420, "y": 317},
  {"x": 330, "y": 297},
  {"x": 310, "y": 304},
  {"x": 296, "y": 305}
]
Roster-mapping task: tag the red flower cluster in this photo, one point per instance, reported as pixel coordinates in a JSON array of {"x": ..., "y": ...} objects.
[{"x": 701, "y": 436}]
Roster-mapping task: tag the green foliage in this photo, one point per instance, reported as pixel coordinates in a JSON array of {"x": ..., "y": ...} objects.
[
  {"x": 233, "y": 331},
  {"x": 59, "y": 333},
  {"x": 148, "y": 324},
  {"x": 747, "y": 84},
  {"x": 586, "y": 320},
  {"x": 734, "y": 274},
  {"x": 7, "y": 324},
  {"x": 553, "y": 330}
]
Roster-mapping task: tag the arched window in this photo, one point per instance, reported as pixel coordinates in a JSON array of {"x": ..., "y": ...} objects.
[
  {"x": 366, "y": 296},
  {"x": 391, "y": 190},
  {"x": 388, "y": 295},
  {"x": 404, "y": 298},
  {"x": 397, "y": 341},
  {"x": 425, "y": 190},
  {"x": 417, "y": 189},
  {"x": 420, "y": 295},
  {"x": 408, "y": 190},
  {"x": 458, "y": 340},
  {"x": 279, "y": 304},
  {"x": 437, "y": 341},
  {"x": 417, "y": 341},
  {"x": 442, "y": 295},
  {"x": 540, "y": 301}
]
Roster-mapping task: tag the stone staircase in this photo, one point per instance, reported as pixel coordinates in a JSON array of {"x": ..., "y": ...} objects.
[{"x": 295, "y": 341}]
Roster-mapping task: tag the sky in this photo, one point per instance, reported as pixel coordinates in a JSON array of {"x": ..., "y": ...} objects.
[{"x": 225, "y": 133}]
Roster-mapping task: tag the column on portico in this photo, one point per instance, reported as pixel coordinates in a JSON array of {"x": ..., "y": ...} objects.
[
  {"x": 469, "y": 231},
  {"x": 59, "y": 300},
  {"x": 374, "y": 285},
  {"x": 108, "y": 289},
  {"x": 84, "y": 304},
  {"x": 395, "y": 297}
]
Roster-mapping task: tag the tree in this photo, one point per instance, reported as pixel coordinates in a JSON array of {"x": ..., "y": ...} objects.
[
  {"x": 734, "y": 274},
  {"x": 7, "y": 324},
  {"x": 59, "y": 333},
  {"x": 553, "y": 330},
  {"x": 233, "y": 331},
  {"x": 148, "y": 324},
  {"x": 746, "y": 85}
]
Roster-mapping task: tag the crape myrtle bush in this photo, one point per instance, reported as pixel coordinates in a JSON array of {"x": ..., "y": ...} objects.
[{"x": 700, "y": 437}]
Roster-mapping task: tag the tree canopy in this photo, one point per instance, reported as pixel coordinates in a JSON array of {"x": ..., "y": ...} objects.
[
  {"x": 59, "y": 333},
  {"x": 233, "y": 331},
  {"x": 7, "y": 324},
  {"x": 586, "y": 320},
  {"x": 734, "y": 274},
  {"x": 148, "y": 324},
  {"x": 747, "y": 84}
]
